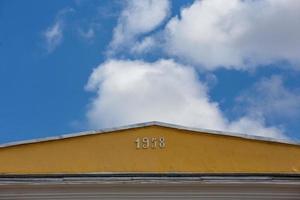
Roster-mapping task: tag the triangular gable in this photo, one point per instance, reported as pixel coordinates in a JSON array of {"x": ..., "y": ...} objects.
[{"x": 150, "y": 148}]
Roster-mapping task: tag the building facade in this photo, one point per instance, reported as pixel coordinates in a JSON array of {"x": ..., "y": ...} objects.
[{"x": 150, "y": 160}]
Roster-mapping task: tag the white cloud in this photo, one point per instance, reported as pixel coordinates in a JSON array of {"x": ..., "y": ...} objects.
[
  {"x": 209, "y": 34},
  {"x": 255, "y": 126},
  {"x": 235, "y": 34},
  {"x": 88, "y": 34},
  {"x": 271, "y": 99},
  {"x": 53, "y": 35},
  {"x": 143, "y": 46},
  {"x": 136, "y": 91},
  {"x": 138, "y": 17}
]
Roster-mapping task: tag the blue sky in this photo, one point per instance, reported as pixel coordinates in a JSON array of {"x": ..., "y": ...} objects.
[{"x": 68, "y": 66}]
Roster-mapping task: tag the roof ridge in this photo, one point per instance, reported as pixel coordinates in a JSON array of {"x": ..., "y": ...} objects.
[{"x": 146, "y": 124}]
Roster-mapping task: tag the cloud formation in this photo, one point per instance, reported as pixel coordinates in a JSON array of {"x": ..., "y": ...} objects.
[
  {"x": 88, "y": 34},
  {"x": 137, "y": 18},
  {"x": 235, "y": 34},
  {"x": 270, "y": 98},
  {"x": 53, "y": 35},
  {"x": 208, "y": 35},
  {"x": 137, "y": 91}
]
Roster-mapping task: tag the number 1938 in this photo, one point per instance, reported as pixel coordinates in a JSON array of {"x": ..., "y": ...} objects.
[{"x": 150, "y": 143}]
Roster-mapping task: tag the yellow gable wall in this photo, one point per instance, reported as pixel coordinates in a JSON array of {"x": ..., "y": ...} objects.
[{"x": 185, "y": 151}]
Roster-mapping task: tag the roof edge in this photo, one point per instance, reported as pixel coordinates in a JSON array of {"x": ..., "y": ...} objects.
[{"x": 146, "y": 124}]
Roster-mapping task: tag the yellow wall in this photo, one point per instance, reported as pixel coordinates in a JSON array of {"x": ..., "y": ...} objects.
[{"x": 185, "y": 151}]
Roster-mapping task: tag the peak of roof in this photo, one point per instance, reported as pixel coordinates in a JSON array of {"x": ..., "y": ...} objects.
[{"x": 146, "y": 124}]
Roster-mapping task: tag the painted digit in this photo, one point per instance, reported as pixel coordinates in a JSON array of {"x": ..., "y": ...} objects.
[
  {"x": 138, "y": 143},
  {"x": 146, "y": 143},
  {"x": 162, "y": 143}
]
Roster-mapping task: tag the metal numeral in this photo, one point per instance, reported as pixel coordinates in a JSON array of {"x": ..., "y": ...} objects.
[{"x": 150, "y": 143}]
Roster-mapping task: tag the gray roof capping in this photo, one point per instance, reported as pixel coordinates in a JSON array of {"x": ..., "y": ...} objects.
[{"x": 146, "y": 124}]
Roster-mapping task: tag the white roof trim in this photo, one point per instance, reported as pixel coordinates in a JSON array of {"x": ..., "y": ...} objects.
[{"x": 146, "y": 124}]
